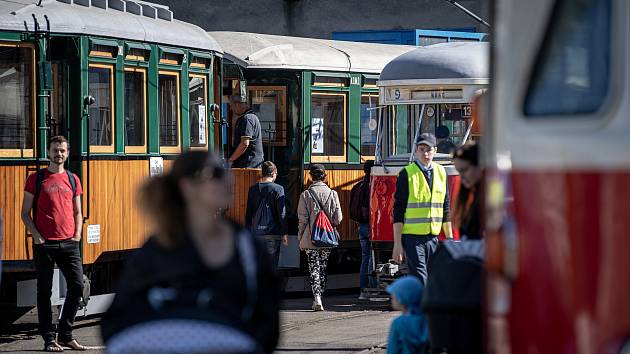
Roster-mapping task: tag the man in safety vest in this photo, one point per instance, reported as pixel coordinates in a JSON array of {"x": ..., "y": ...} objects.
[{"x": 421, "y": 208}]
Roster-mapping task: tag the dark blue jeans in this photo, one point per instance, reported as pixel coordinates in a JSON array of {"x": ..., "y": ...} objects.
[
  {"x": 272, "y": 244},
  {"x": 68, "y": 258},
  {"x": 418, "y": 249},
  {"x": 365, "y": 279}
]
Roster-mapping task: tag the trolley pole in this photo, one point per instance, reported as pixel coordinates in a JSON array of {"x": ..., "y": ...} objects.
[{"x": 468, "y": 12}]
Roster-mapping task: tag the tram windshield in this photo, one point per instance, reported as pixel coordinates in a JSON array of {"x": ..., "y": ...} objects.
[{"x": 450, "y": 122}]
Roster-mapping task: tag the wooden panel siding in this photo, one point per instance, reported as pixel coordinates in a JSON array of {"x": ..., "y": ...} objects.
[
  {"x": 113, "y": 190},
  {"x": 243, "y": 179},
  {"x": 342, "y": 181},
  {"x": 15, "y": 245}
]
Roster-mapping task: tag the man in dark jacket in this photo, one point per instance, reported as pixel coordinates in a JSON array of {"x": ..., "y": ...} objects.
[
  {"x": 266, "y": 212},
  {"x": 360, "y": 213},
  {"x": 247, "y": 151}
]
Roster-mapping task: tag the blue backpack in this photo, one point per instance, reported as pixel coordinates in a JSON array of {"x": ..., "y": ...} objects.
[{"x": 263, "y": 221}]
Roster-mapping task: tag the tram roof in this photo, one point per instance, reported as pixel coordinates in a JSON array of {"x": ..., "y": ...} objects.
[
  {"x": 132, "y": 20},
  {"x": 254, "y": 50},
  {"x": 454, "y": 61}
]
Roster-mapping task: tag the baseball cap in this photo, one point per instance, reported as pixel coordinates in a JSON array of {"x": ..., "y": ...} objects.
[{"x": 426, "y": 139}]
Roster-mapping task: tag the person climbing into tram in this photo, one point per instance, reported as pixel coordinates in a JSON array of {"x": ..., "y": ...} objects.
[
  {"x": 200, "y": 283},
  {"x": 468, "y": 202},
  {"x": 318, "y": 197},
  {"x": 421, "y": 208},
  {"x": 54, "y": 196},
  {"x": 266, "y": 213},
  {"x": 360, "y": 213},
  {"x": 247, "y": 150}
]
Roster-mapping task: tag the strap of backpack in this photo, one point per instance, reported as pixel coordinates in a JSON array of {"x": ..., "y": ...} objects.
[
  {"x": 73, "y": 182},
  {"x": 321, "y": 207},
  {"x": 39, "y": 179},
  {"x": 247, "y": 253}
]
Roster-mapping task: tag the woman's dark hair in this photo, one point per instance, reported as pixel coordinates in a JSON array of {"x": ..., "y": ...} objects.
[
  {"x": 467, "y": 198},
  {"x": 162, "y": 198},
  {"x": 317, "y": 172}
]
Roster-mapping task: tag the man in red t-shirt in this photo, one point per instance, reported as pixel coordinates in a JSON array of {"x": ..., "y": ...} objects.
[{"x": 56, "y": 228}]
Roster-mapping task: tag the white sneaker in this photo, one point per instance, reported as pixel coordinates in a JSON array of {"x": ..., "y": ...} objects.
[
  {"x": 317, "y": 304},
  {"x": 363, "y": 295}
]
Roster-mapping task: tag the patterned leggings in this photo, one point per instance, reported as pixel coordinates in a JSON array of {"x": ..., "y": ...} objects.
[{"x": 317, "y": 262}]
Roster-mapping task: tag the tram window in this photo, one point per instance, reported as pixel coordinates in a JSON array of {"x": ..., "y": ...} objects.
[
  {"x": 269, "y": 104},
  {"x": 328, "y": 127},
  {"x": 331, "y": 81},
  {"x": 16, "y": 107},
  {"x": 368, "y": 124},
  {"x": 200, "y": 62},
  {"x": 135, "y": 110},
  {"x": 101, "y": 84},
  {"x": 99, "y": 50},
  {"x": 198, "y": 117},
  {"x": 571, "y": 74},
  {"x": 137, "y": 54},
  {"x": 168, "y": 100}
]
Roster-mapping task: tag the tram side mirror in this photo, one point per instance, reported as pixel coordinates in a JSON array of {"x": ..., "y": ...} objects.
[{"x": 88, "y": 100}]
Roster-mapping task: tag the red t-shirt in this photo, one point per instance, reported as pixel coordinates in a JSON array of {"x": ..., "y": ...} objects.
[{"x": 55, "y": 210}]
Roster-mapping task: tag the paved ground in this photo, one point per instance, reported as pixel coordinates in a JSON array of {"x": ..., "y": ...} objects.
[{"x": 346, "y": 326}]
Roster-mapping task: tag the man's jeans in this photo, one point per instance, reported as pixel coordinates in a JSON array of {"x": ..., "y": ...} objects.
[
  {"x": 68, "y": 258},
  {"x": 272, "y": 244},
  {"x": 418, "y": 249},
  {"x": 365, "y": 278}
]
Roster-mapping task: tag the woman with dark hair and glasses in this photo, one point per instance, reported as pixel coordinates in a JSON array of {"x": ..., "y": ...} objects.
[
  {"x": 200, "y": 284},
  {"x": 468, "y": 203}
]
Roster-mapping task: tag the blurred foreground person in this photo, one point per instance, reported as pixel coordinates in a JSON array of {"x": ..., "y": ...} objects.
[
  {"x": 201, "y": 284},
  {"x": 409, "y": 332},
  {"x": 468, "y": 203}
]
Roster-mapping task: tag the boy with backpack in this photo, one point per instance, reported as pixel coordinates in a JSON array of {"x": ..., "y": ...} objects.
[
  {"x": 266, "y": 212},
  {"x": 360, "y": 213}
]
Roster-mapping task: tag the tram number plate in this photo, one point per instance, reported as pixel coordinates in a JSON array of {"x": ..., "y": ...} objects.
[
  {"x": 398, "y": 94},
  {"x": 466, "y": 110}
]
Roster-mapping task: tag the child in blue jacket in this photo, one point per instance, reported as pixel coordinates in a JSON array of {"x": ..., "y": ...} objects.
[{"x": 409, "y": 332}]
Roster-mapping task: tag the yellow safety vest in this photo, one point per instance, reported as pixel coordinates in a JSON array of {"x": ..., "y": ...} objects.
[{"x": 425, "y": 207}]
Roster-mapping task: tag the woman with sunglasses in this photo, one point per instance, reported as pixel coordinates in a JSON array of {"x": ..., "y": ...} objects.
[{"x": 200, "y": 284}]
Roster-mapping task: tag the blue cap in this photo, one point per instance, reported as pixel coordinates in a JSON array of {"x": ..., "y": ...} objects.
[{"x": 408, "y": 292}]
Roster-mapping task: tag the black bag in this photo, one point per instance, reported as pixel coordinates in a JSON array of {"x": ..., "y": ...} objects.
[
  {"x": 452, "y": 298},
  {"x": 263, "y": 220}
]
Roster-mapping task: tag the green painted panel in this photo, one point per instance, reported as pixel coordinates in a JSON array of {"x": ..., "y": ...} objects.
[
  {"x": 84, "y": 49},
  {"x": 209, "y": 113},
  {"x": 119, "y": 105},
  {"x": 185, "y": 105},
  {"x": 153, "y": 120},
  {"x": 40, "y": 116},
  {"x": 354, "y": 120},
  {"x": 11, "y": 36},
  {"x": 307, "y": 78}
]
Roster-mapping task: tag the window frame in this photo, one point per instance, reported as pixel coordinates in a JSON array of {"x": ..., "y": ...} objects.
[
  {"x": 139, "y": 149},
  {"x": 367, "y": 94},
  {"x": 105, "y": 149},
  {"x": 281, "y": 113},
  {"x": 204, "y": 77},
  {"x": 26, "y": 152},
  {"x": 329, "y": 158},
  {"x": 172, "y": 149}
]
